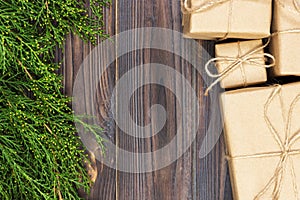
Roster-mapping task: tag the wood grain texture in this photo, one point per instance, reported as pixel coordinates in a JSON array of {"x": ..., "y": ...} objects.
[{"x": 189, "y": 177}]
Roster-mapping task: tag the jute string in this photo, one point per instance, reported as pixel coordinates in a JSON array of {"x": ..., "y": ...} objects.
[
  {"x": 296, "y": 30},
  {"x": 295, "y": 9},
  {"x": 212, "y": 3},
  {"x": 285, "y": 152},
  {"x": 203, "y": 7},
  {"x": 242, "y": 69},
  {"x": 237, "y": 62},
  {"x": 229, "y": 21}
]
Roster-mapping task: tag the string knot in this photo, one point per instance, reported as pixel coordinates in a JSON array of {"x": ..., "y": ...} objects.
[
  {"x": 236, "y": 62},
  {"x": 285, "y": 154},
  {"x": 290, "y": 139}
]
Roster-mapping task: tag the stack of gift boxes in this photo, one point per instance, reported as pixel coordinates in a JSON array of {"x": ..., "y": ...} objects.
[{"x": 261, "y": 124}]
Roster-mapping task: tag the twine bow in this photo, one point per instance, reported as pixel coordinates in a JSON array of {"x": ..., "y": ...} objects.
[
  {"x": 250, "y": 58},
  {"x": 285, "y": 152}
]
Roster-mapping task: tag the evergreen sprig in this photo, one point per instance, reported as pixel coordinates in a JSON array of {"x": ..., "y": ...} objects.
[{"x": 41, "y": 157}]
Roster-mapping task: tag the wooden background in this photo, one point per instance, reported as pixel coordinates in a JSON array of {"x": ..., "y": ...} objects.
[{"x": 187, "y": 178}]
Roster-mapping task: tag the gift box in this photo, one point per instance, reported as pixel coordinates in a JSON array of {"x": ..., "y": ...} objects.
[
  {"x": 241, "y": 63},
  {"x": 285, "y": 44},
  {"x": 263, "y": 141},
  {"x": 227, "y": 19}
]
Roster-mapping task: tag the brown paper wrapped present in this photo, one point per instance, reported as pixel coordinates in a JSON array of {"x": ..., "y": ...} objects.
[
  {"x": 262, "y": 133},
  {"x": 212, "y": 19},
  {"x": 240, "y": 63},
  {"x": 285, "y": 44}
]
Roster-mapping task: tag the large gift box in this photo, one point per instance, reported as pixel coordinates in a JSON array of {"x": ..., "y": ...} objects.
[
  {"x": 262, "y": 132},
  {"x": 241, "y": 63},
  {"x": 247, "y": 19},
  {"x": 285, "y": 44}
]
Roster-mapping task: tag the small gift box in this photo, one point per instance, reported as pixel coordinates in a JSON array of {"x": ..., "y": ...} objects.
[
  {"x": 285, "y": 43},
  {"x": 240, "y": 63},
  {"x": 262, "y": 133},
  {"x": 205, "y": 19}
]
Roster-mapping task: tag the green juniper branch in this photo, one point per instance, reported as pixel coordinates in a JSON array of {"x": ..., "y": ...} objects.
[{"x": 41, "y": 157}]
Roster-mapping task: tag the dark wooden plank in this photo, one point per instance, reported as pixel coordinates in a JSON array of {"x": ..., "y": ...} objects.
[
  {"x": 211, "y": 171},
  {"x": 189, "y": 177},
  {"x": 105, "y": 185},
  {"x": 159, "y": 184}
]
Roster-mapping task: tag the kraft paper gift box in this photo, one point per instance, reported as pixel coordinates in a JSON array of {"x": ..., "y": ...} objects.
[
  {"x": 262, "y": 133},
  {"x": 285, "y": 44},
  {"x": 235, "y": 72},
  {"x": 247, "y": 19}
]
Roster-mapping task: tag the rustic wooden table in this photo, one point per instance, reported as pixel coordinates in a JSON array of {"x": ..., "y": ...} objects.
[{"x": 189, "y": 177}]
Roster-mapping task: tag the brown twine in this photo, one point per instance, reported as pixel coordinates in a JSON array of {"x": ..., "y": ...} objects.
[
  {"x": 249, "y": 58},
  {"x": 229, "y": 18},
  {"x": 285, "y": 152},
  {"x": 296, "y": 5},
  {"x": 212, "y": 3},
  {"x": 203, "y": 7},
  {"x": 295, "y": 9},
  {"x": 242, "y": 65},
  {"x": 296, "y": 30}
]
